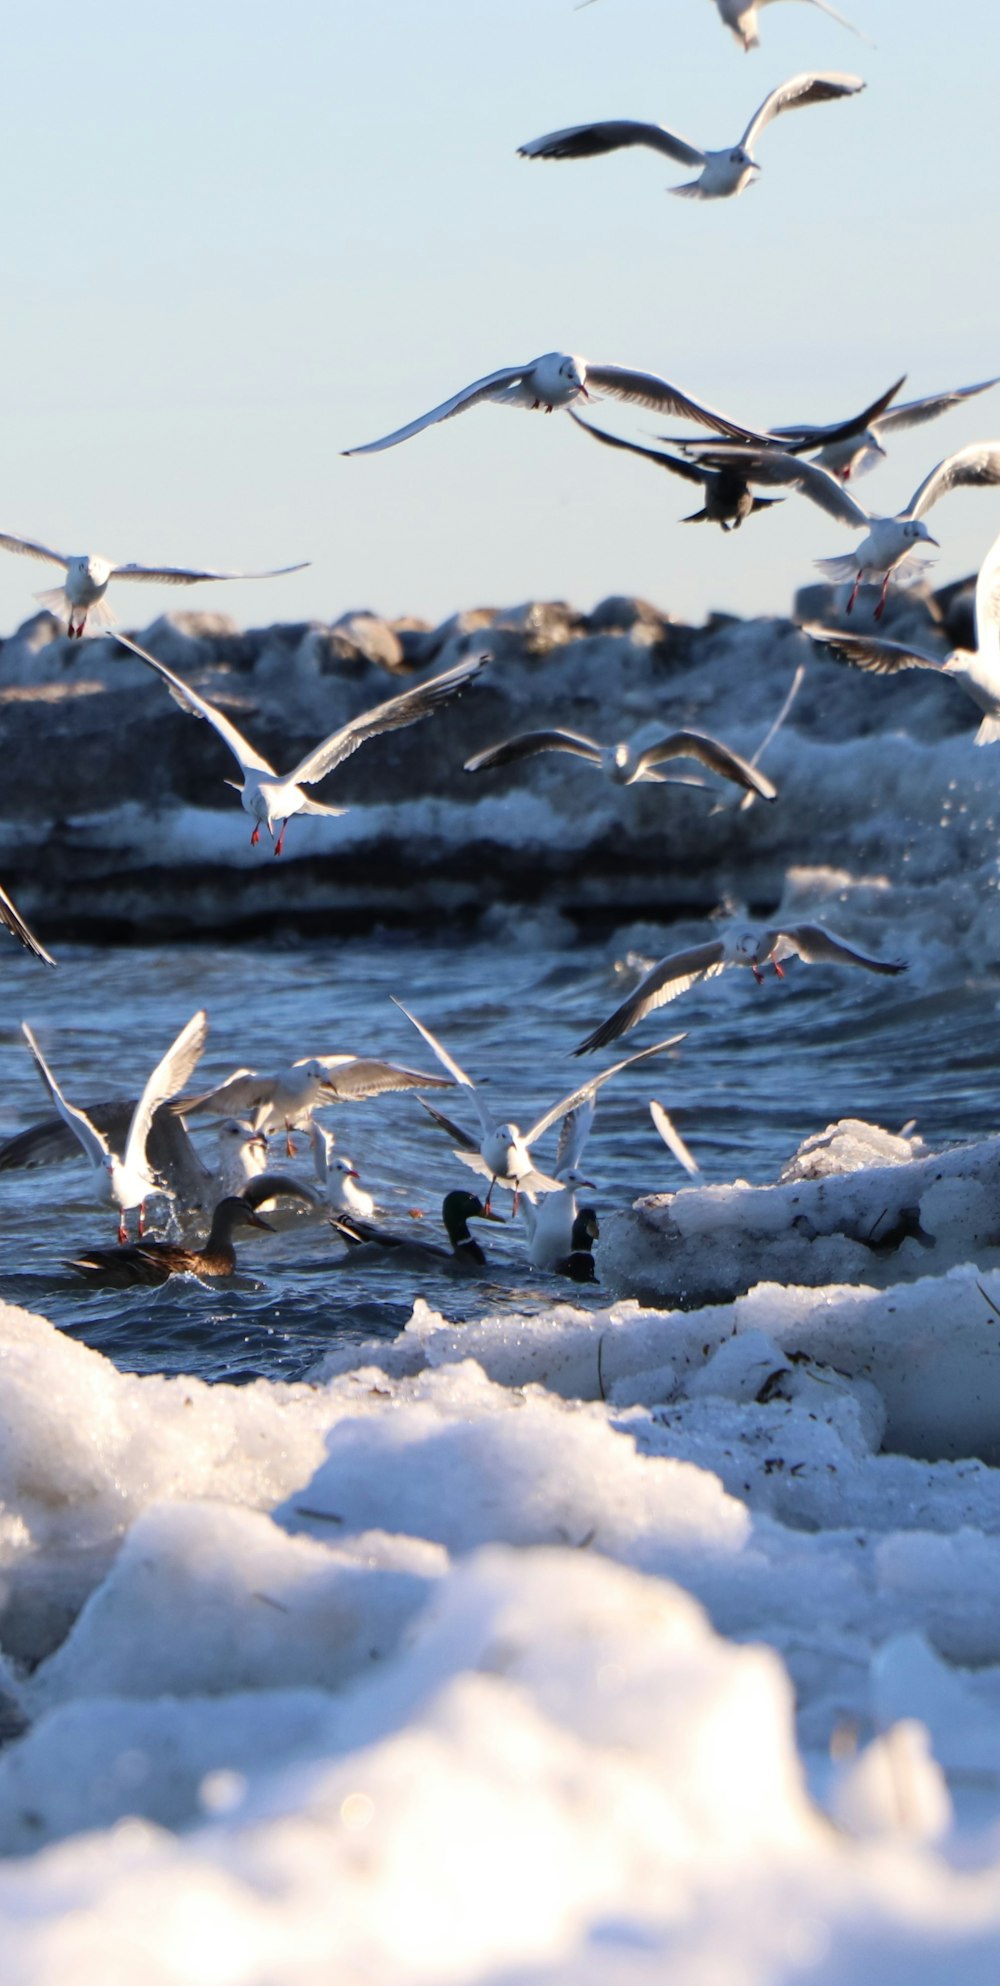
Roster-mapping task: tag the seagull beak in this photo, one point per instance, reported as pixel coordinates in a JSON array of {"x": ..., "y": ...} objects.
[
  {"x": 584, "y": 395},
  {"x": 933, "y": 541},
  {"x": 352, "y": 1174}
]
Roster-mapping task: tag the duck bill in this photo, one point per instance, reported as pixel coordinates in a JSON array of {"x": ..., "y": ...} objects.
[
  {"x": 487, "y": 1214},
  {"x": 257, "y": 1220}
]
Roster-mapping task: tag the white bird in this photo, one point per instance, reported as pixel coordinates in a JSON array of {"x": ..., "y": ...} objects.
[
  {"x": 627, "y": 763},
  {"x": 268, "y": 796},
  {"x": 852, "y": 448},
  {"x": 338, "y": 1178},
  {"x": 723, "y": 173},
  {"x": 550, "y": 1223},
  {"x": 81, "y": 596},
  {"x": 285, "y": 1099},
  {"x": 976, "y": 671},
  {"x": 740, "y": 17},
  {"x": 556, "y": 380},
  {"x": 242, "y": 1155},
  {"x": 128, "y": 1181},
  {"x": 674, "y": 975},
  {"x": 891, "y": 544},
  {"x": 672, "y": 1139},
  {"x": 11, "y": 917}
]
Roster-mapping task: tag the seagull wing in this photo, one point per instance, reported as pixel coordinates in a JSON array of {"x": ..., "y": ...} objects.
[
  {"x": 666, "y": 981},
  {"x": 574, "y": 1131},
  {"x": 488, "y": 388},
  {"x": 774, "y": 466},
  {"x": 243, "y": 1093},
  {"x": 588, "y": 141},
  {"x": 795, "y": 95},
  {"x": 176, "y": 575},
  {"x": 709, "y": 752},
  {"x": 529, "y": 743},
  {"x": 988, "y": 605},
  {"x": 169, "y": 1076},
  {"x": 819, "y": 947},
  {"x": 676, "y": 463},
  {"x": 90, "y": 1140},
  {"x": 393, "y": 715},
  {"x": 825, "y": 8},
  {"x": 590, "y": 1088},
  {"x": 807, "y": 436},
  {"x": 32, "y": 550},
  {"x": 356, "y": 1077},
  {"x": 447, "y": 1062},
  {"x": 864, "y": 651},
  {"x": 673, "y": 1140},
  {"x": 246, "y": 755},
  {"x": 645, "y": 389},
  {"x": 53, "y": 1141},
  {"x": 913, "y": 413},
  {"x": 463, "y": 1139},
  {"x": 975, "y": 467},
  {"x": 11, "y": 917}
]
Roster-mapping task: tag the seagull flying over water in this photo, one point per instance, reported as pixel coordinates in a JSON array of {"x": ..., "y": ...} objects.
[
  {"x": 557, "y": 380},
  {"x": 128, "y": 1181},
  {"x": 723, "y": 173},
  {"x": 285, "y": 1099},
  {"x": 674, "y": 975},
  {"x": 627, "y": 764},
  {"x": 81, "y": 596},
  {"x": 267, "y": 796},
  {"x": 976, "y": 671}
]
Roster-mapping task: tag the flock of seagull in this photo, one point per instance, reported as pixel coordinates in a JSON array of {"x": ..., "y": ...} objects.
[{"x": 140, "y": 1150}]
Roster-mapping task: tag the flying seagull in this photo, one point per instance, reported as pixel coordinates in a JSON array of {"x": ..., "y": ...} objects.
[
  {"x": 81, "y": 596},
  {"x": 266, "y": 795},
  {"x": 740, "y": 17},
  {"x": 727, "y": 497},
  {"x": 285, "y": 1099},
  {"x": 722, "y": 174},
  {"x": 855, "y": 447},
  {"x": 627, "y": 764},
  {"x": 556, "y": 380}
]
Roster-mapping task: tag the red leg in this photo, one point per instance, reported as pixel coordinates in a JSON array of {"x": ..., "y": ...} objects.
[
  {"x": 854, "y": 595},
  {"x": 880, "y": 609},
  {"x": 122, "y": 1229},
  {"x": 289, "y": 1147},
  {"x": 279, "y": 845},
  {"x": 779, "y": 969},
  {"x": 255, "y": 837},
  {"x": 142, "y": 1218},
  {"x": 758, "y": 975}
]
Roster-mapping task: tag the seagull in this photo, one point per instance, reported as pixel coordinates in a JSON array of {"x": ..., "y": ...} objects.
[
  {"x": 724, "y": 173},
  {"x": 267, "y": 796},
  {"x": 976, "y": 671},
  {"x": 550, "y": 1224},
  {"x": 504, "y": 1152},
  {"x": 855, "y": 447},
  {"x": 242, "y": 1154},
  {"x": 740, "y": 17},
  {"x": 556, "y": 380},
  {"x": 728, "y": 499},
  {"x": 285, "y": 1099},
  {"x": 628, "y": 764},
  {"x": 11, "y": 917},
  {"x": 674, "y": 975},
  {"x": 88, "y": 576},
  {"x": 891, "y": 543},
  {"x": 128, "y": 1181},
  {"x": 338, "y": 1177}
]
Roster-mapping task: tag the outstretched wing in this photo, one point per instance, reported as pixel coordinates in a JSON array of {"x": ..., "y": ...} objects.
[
  {"x": 527, "y": 746},
  {"x": 590, "y": 1089},
  {"x": 709, "y": 752},
  {"x": 11, "y": 917},
  {"x": 820, "y": 947},
  {"x": 776, "y": 467},
  {"x": 810, "y": 436},
  {"x": 646, "y": 389},
  {"x": 169, "y": 1076},
  {"x": 913, "y": 413},
  {"x": 92, "y": 1144},
  {"x": 865, "y": 651},
  {"x": 176, "y": 575},
  {"x": 393, "y": 715},
  {"x": 354, "y": 1078},
  {"x": 666, "y": 981},
  {"x": 470, "y": 396},
  {"x": 975, "y": 467},
  {"x": 588, "y": 141},
  {"x": 32, "y": 549},
  {"x": 673, "y": 1140},
  {"x": 447, "y": 1062},
  {"x": 795, "y": 95},
  {"x": 676, "y": 463},
  {"x": 246, "y": 755}
]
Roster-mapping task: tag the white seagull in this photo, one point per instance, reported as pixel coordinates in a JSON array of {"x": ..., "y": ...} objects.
[
  {"x": 11, "y": 917},
  {"x": 890, "y": 543},
  {"x": 740, "y": 946},
  {"x": 723, "y": 173},
  {"x": 285, "y": 1099},
  {"x": 128, "y": 1181},
  {"x": 852, "y": 448},
  {"x": 81, "y": 596},
  {"x": 268, "y": 796},
  {"x": 242, "y": 1155},
  {"x": 557, "y": 380},
  {"x": 740, "y": 17},
  {"x": 626, "y": 763},
  {"x": 976, "y": 671},
  {"x": 339, "y": 1179}
]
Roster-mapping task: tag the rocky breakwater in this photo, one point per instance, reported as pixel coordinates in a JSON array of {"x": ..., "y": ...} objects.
[{"x": 116, "y": 822}]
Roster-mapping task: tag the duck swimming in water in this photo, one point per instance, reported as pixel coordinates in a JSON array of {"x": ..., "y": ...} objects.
[
  {"x": 369, "y": 1243},
  {"x": 149, "y": 1263}
]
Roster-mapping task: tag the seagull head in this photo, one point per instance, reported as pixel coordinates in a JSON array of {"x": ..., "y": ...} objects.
[
  {"x": 344, "y": 1165},
  {"x": 739, "y": 156},
  {"x": 574, "y": 372},
  {"x": 916, "y": 530}
]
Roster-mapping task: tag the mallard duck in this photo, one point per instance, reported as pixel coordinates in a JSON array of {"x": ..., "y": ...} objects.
[
  {"x": 149, "y": 1263},
  {"x": 579, "y": 1263},
  {"x": 369, "y": 1243}
]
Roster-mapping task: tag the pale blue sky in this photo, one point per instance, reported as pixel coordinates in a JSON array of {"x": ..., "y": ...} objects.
[{"x": 240, "y": 237}]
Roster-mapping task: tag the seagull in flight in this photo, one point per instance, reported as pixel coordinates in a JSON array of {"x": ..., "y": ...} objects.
[
  {"x": 128, "y": 1181},
  {"x": 285, "y": 1099},
  {"x": 740, "y": 17},
  {"x": 268, "y": 796},
  {"x": 80, "y": 598},
  {"x": 852, "y": 448},
  {"x": 557, "y": 380},
  {"x": 627, "y": 764},
  {"x": 976, "y": 671},
  {"x": 722, "y": 174},
  {"x": 753, "y": 948}
]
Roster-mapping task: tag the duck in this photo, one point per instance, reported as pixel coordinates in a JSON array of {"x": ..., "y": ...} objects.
[
  {"x": 146, "y": 1264},
  {"x": 578, "y": 1265},
  {"x": 370, "y": 1243}
]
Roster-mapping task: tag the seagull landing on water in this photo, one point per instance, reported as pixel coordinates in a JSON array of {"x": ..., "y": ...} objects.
[
  {"x": 740, "y": 17},
  {"x": 976, "y": 671},
  {"x": 724, "y": 173},
  {"x": 268, "y": 797},
  {"x": 627, "y": 764},
  {"x": 891, "y": 544},
  {"x": 753, "y": 948},
  {"x": 81, "y": 596},
  {"x": 558, "y": 380}
]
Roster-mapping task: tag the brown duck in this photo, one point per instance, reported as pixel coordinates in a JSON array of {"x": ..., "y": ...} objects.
[{"x": 149, "y": 1263}]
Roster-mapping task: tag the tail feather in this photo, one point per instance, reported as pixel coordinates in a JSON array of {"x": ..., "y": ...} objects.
[
  {"x": 989, "y": 730},
  {"x": 54, "y": 598},
  {"x": 845, "y": 567},
  {"x": 696, "y": 517},
  {"x": 691, "y": 190}
]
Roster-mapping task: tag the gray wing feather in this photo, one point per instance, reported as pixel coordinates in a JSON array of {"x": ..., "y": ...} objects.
[
  {"x": 394, "y": 715},
  {"x": 709, "y": 752},
  {"x": 774, "y": 466},
  {"x": 32, "y": 550},
  {"x": 246, "y": 755},
  {"x": 170, "y": 1075},
  {"x": 863, "y": 651},
  {"x": 470, "y": 396},
  {"x": 529, "y": 743},
  {"x": 646, "y": 389},
  {"x": 914, "y": 413},
  {"x": 795, "y": 95},
  {"x": 819, "y": 947},
  {"x": 587, "y": 141},
  {"x": 676, "y": 463},
  {"x": 174, "y": 575},
  {"x": 666, "y": 981},
  {"x": 11, "y": 917},
  {"x": 975, "y": 467}
]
